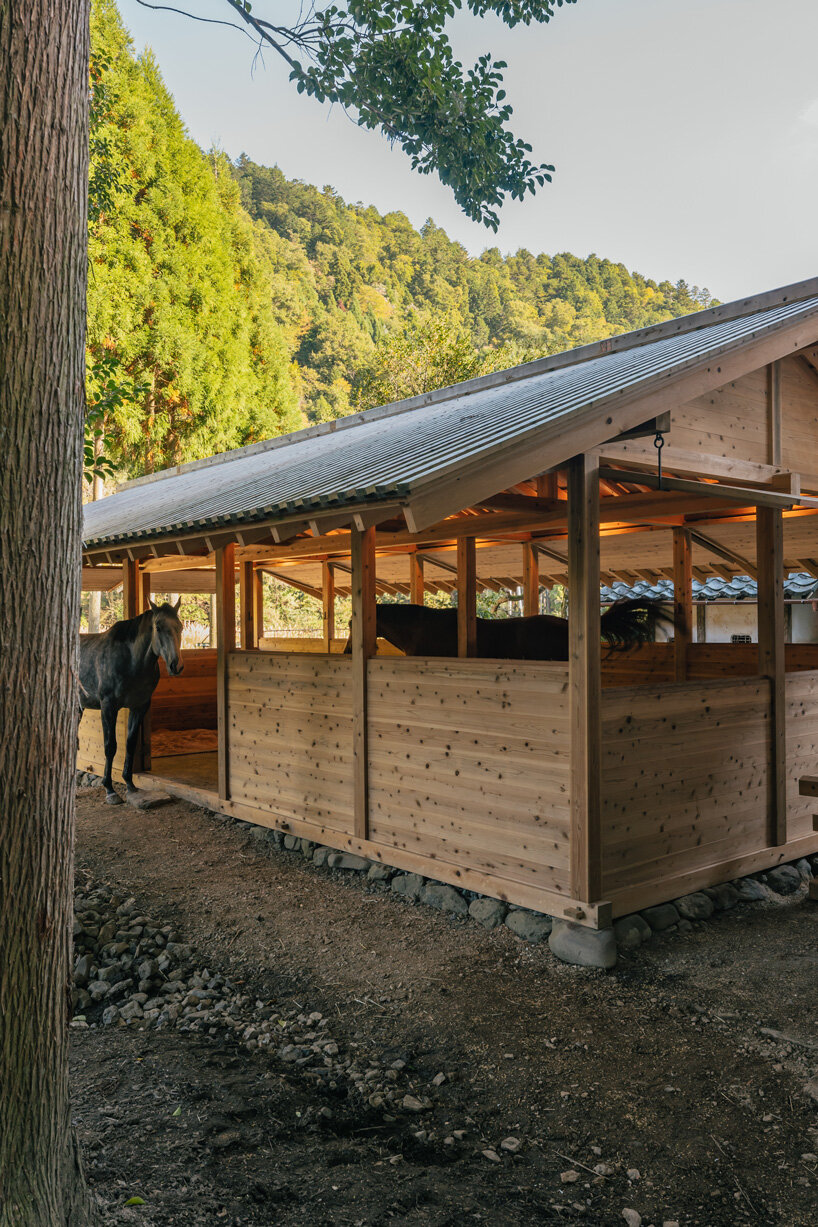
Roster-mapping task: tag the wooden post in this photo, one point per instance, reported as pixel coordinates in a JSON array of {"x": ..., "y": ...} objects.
[
  {"x": 226, "y": 643},
  {"x": 771, "y": 634},
  {"x": 130, "y": 589},
  {"x": 774, "y": 412},
  {"x": 247, "y": 607},
  {"x": 328, "y": 604},
  {"x": 258, "y": 601},
  {"x": 363, "y": 634},
  {"x": 701, "y": 623},
  {"x": 531, "y": 581},
  {"x": 466, "y": 597},
  {"x": 682, "y": 601},
  {"x": 144, "y": 591},
  {"x": 416, "y": 585},
  {"x": 585, "y": 682}
]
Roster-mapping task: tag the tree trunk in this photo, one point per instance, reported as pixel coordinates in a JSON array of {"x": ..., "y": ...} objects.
[{"x": 43, "y": 230}]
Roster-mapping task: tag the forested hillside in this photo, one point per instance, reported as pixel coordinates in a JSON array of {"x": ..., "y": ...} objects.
[{"x": 228, "y": 303}]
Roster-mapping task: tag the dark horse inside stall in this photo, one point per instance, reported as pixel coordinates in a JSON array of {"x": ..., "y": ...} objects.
[
  {"x": 420, "y": 631},
  {"x": 120, "y": 668}
]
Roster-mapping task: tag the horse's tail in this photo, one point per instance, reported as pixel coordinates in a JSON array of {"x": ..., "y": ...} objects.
[{"x": 627, "y": 623}]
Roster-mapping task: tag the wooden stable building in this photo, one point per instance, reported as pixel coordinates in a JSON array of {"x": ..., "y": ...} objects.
[{"x": 585, "y": 789}]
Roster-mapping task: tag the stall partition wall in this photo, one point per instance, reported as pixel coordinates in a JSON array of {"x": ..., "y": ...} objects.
[{"x": 468, "y": 762}]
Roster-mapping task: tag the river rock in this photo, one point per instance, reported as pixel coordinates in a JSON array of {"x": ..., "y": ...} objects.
[
  {"x": 631, "y": 931},
  {"x": 488, "y": 912},
  {"x": 784, "y": 880},
  {"x": 444, "y": 898},
  {"x": 573, "y": 943},
  {"x": 320, "y": 856},
  {"x": 82, "y": 970},
  {"x": 724, "y": 896},
  {"x": 530, "y": 926},
  {"x": 804, "y": 868},
  {"x": 750, "y": 890},
  {"x": 379, "y": 873},
  {"x": 661, "y": 917},
  {"x": 698, "y": 906},
  {"x": 347, "y": 860},
  {"x": 408, "y": 884}
]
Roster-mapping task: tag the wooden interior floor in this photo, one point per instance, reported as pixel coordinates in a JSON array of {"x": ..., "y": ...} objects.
[{"x": 194, "y": 771}]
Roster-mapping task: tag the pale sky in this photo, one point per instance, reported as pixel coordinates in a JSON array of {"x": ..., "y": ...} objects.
[{"x": 684, "y": 132}]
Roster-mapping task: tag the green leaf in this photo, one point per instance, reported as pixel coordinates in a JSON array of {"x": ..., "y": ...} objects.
[
  {"x": 178, "y": 1111},
  {"x": 136, "y": 1201}
]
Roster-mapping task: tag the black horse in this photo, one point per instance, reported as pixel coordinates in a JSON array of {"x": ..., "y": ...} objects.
[
  {"x": 420, "y": 631},
  {"x": 120, "y": 668}
]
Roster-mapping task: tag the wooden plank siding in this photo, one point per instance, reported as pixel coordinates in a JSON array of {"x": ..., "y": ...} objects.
[
  {"x": 469, "y": 764},
  {"x": 654, "y": 662},
  {"x": 290, "y": 736},
  {"x": 802, "y": 750},
  {"x": 684, "y": 771},
  {"x": 91, "y": 748}
]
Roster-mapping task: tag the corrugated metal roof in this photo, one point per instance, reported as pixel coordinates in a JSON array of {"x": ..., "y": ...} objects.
[
  {"x": 798, "y": 586},
  {"x": 393, "y": 455}
]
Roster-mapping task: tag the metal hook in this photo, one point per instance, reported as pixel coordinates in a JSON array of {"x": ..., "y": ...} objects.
[{"x": 659, "y": 443}]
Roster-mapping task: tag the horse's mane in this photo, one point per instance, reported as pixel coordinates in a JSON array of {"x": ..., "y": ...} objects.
[{"x": 128, "y": 630}]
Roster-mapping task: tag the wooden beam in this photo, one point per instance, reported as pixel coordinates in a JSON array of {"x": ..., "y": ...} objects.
[
  {"x": 585, "y": 679},
  {"x": 682, "y": 601},
  {"x": 774, "y": 412},
  {"x": 327, "y": 604},
  {"x": 364, "y": 645},
  {"x": 416, "y": 586},
  {"x": 722, "y": 551},
  {"x": 130, "y": 588},
  {"x": 466, "y": 597},
  {"x": 771, "y": 632},
  {"x": 531, "y": 581},
  {"x": 226, "y": 643},
  {"x": 248, "y": 606},
  {"x": 687, "y": 462},
  {"x": 738, "y": 494}
]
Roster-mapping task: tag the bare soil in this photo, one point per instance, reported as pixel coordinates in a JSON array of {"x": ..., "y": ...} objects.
[{"x": 659, "y": 1068}]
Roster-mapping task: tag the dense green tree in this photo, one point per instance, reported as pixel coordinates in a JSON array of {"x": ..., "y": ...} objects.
[{"x": 180, "y": 289}]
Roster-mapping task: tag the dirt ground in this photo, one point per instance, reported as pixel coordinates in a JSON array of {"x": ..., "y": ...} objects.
[{"x": 659, "y": 1070}]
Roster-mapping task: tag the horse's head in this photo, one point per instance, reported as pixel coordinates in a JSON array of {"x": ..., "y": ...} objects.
[{"x": 166, "y": 636}]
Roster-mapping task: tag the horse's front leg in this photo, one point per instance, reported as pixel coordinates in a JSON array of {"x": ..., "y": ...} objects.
[
  {"x": 135, "y": 718},
  {"x": 109, "y": 712}
]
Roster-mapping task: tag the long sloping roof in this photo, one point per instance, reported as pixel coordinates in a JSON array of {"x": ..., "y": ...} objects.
[{"x": 402, "y": 450}]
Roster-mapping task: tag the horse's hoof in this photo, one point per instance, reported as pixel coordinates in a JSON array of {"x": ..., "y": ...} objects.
[{"x": 113, "y": 798}]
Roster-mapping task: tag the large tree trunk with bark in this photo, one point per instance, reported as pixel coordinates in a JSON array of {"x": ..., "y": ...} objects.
[{"x": 43, "y": 193}]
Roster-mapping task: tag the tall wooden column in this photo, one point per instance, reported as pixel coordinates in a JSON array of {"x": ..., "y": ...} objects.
[
  {"x": 585, "y": 680},
  {"x": 247, "y": 607},
  {"x": 363, "y": 635},
  {"x": 771, "y": 663},
  {"x": 226, "y": 643},
  {"x": 466, "y": 597},
  {"x": 416, "y": 585},
  {"x": 130, "y": 589},
  {"x": 774, "y": 412},
  {"x": 682, "y": 601},
  {"x": 144, "y": 591},
  {"x": 531, "y": 581},
  {"x": 258, "y": 601},
  {"x": 327, "y": 604}
]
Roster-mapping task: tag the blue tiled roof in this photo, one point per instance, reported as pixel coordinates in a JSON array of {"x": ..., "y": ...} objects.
[{"x": 798, "y": 586}]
